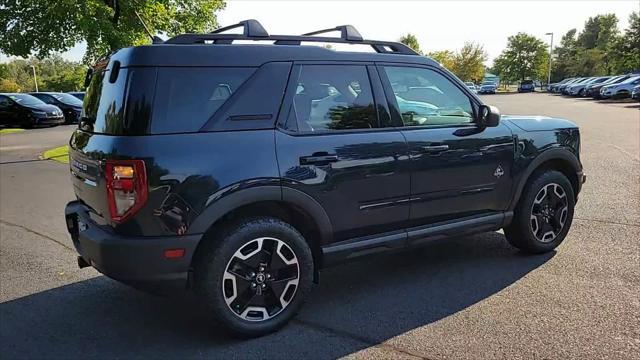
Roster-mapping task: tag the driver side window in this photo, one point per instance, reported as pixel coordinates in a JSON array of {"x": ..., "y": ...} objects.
[{"x": 425, "y": 97}]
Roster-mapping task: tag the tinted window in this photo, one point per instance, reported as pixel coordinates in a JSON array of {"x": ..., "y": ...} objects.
[
  {"x": 24, "y": 99},
  {"x": 46, "y": 98},
  {"x": 426, "y": 97},
  {"x": 187, "y": 97},
  {"x": 4, "y": 102},
  {"x": 104, "y": 102},
  {"x": 333, "y": 97},
  {"x": 67, "y": 99}
]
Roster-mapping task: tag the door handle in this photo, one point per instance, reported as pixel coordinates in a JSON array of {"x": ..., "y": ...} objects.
[
  {"x": 319, "y": 158},
  {"x": 435, "y": 149}
]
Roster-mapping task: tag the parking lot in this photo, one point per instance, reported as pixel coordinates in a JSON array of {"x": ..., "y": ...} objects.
[{"x": 469, "y": 298}]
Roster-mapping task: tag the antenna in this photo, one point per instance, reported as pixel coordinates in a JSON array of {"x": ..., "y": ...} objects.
[{"x": 154, "y": 39}]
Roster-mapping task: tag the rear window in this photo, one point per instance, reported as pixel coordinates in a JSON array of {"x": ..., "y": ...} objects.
[
  {"x": 159, "y": 100},
  {"x": 527, "y": 82},
  {"x": 186, "y": 98}
]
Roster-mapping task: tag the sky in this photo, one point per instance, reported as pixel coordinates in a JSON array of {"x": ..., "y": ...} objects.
[{"x": 438, "y": 25}]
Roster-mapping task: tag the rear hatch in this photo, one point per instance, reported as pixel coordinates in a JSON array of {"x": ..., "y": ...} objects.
[{"x": 134, "y": 115}]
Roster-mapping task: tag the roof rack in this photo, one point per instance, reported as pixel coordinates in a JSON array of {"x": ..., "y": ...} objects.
[{"x": 253, "y": 30}]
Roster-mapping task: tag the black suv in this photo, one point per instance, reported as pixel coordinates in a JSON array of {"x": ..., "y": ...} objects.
[{"x": 240, "y": 170}]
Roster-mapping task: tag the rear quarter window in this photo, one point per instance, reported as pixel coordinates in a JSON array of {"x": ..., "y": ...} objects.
[{"x": 186, "y": 98}]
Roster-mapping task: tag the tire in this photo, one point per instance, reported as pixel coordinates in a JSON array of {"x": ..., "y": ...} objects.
[
  {"x": 229, "y": 269},
  {"x": 551, "y": 224}
]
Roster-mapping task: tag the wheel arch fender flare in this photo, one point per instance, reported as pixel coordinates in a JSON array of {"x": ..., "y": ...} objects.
[
  {"x": 559, "y": 153},
  {"x": 216, "y": 210}
]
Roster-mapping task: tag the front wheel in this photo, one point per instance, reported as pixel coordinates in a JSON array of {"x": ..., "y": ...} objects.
[
  {"x": 254, "y": 276},
  {"x": 544, "y": 214}
]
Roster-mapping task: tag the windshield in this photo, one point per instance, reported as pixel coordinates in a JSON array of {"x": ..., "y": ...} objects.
[
  {"x": 28, "y": 100},
  {"x": 488, "y": 83},
  {"x": 67, "y": 99},
  {"x": 631, "y": 79}
]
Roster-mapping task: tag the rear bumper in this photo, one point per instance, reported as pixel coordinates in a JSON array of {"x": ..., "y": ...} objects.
[{"x": 136, "y": 261}]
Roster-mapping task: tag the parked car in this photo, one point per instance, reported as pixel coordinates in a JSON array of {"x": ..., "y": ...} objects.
[
  {"x": 620, "y": 90},
  {"x": 560, "y": 88},
  {"x": 553, "y": 87},
  {"x": 472, "y": 87},
  {"x": 579, "y": 89},
  {"x": 526, "y": 86},
  {"x": 635, "y": 94},
  {"x": 70, "y": 105},
  {"x": 78, "y": 94},
  {"x": 593, "y": 90},
  {"x": 27, "y": 111},
  {"x": 221, "y": 190},
  {"x": 488, "y": 87},
  {"x": 567, "y": 89}
]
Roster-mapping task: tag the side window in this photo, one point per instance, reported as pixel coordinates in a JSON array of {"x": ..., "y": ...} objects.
[
  {"x": 46, "y": 98},
  {"x": 333, "y": 98},
  {"x": 426, "y": 97},
  {"x": 187, "y": 97},
  {"x": 4, "y": 102}
]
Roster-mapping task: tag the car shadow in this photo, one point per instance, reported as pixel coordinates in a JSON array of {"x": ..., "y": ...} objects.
[{"x": 357, "y": 305}]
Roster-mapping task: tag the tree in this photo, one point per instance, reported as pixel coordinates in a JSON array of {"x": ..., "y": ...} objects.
[
  {"x": 598, "y": 31},
  {"x": 411, "y": 41},
  {"x": 44, "y": 26},
  {"x": 468, "y": 63},
  {"x": 54, "y": 74},
  {"x": 564, "y": 56},
  {"x": 444, "y": 57},
  {"x": 624, "y": 55},
  {"x": 523, "y": 57},
  {"x": 9, "y": 86}
]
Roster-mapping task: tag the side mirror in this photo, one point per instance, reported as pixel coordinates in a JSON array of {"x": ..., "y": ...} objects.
[{"x": 489, "y": 116}]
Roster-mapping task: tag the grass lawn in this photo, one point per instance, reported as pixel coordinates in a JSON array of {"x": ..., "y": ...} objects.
[
  {"x": 59, "y": 154},
  {"x": 10, "y": 131}
]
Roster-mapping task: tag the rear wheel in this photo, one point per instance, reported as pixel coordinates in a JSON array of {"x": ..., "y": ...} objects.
[
  {"x": 255, "y": 276},
  {"x": 544, "y": 214}
]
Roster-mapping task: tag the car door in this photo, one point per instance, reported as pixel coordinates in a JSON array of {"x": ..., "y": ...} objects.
[
  {"x": 332, "y": 145},
  {"x": 7, "y": 111},
  {"x": 459, "y": 169}
]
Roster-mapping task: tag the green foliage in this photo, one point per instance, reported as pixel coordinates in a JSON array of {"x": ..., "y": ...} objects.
[
  {"x": 53, "y": 74},
  {"x": 524, "y": 57},
  {"x": 43, "y": 27},
  {"x": 9, "y": 86},
  {"x": 468, "y": 63},
  {"x": 599, "y": 49},
  {"x": 411, "y": 41},
  {"x": 444, "y": 57}
]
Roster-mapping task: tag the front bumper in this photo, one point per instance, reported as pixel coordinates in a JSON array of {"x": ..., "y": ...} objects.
[
  {"x": 136, "y": 261},
  {"x": 48, "y": 120}
]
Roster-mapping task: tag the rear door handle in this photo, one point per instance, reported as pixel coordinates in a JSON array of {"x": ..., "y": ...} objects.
[
  {"x": 435, "y": 149},
  {"x": 319, "y": 158}
]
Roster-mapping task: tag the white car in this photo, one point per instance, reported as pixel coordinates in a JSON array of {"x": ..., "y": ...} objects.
[
  {"x": 620, "y": 90},
  {"x": 472, "y": 87}
]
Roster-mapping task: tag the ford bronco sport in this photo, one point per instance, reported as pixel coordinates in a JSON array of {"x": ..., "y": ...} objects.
[{"x": 239, "y": 170}]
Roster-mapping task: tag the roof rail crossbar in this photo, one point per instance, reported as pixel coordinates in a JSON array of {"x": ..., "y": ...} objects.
[
  {"x": 251, "y": 28},
  {"x": 347, "y": 32}
]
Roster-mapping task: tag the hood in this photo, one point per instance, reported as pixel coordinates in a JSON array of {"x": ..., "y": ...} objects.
[
  {"x": 538, "y": 123},
  {"x": 44, "y": 107}
]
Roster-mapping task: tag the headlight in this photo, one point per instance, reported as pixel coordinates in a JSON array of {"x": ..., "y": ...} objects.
[{"x": 41, "y": 113}]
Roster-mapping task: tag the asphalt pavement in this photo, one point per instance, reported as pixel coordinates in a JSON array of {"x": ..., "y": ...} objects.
[{"x": 468, "y": 298}]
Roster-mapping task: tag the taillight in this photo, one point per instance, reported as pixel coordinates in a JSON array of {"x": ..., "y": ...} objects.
[{"x": 126, "y": 188}]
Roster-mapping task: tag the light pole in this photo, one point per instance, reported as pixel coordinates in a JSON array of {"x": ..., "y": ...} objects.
[
  {"x": 550, "y": 53},
  {"x": 35, "y": 79}
]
